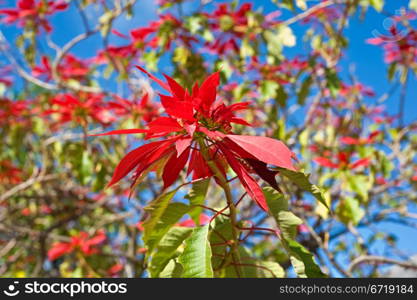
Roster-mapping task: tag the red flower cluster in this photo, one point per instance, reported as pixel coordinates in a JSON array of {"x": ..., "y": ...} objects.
[
  {"x": 33, "y": 11},
  {"x": 342, "y": 161},
  {"x": 401, "y": 46},
  {"x": 230, "y": 26},
  {"x": 67, "y": 107},
  {"x": 71, "y": 67},
  {"x": 148, "y": 36},
  {"x": 144, "y": 109},
  {"x": 13, "y": 112},
  {"x": 360, "y": 141},
  {"x": 81, "y": 241},
  {"x": 198, "y": 131},
  {"x": 9, "y": 173}
]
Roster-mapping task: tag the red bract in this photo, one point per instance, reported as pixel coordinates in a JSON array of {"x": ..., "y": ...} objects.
[
  {"x": 229, "y": 27},
  {"x": 360, "y": 141},
  {"x": 71, "y": 67},
  {"x": 32, "y": 11},
  {"x": 68, "y": 107},
  {"x": 145, "y": 109},
  {"x": 198, "y": 134},
  {"x": 400, "y": 46},
  {"x": 281, "y": 73},
  {"x": 81, "y": 241},
  {"x": 160, "y": 33},
  {"x": 9, "y": 173},
  {"x": 342, "y": 161},
  {"x": 13, "y": 112}
]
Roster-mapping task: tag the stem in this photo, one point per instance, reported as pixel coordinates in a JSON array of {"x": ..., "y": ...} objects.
[
  {"x": 401, "y": 104},
  {"x": 234, "y": 247}
]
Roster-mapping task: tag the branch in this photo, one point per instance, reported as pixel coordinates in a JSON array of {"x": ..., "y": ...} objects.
[
  {"x": 380, "y": 260},
  {"x": 309, "y": 12}
]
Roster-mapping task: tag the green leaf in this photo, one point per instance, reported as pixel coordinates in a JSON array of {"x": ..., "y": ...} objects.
[
  {"x": 269, "y": 89},
  {"x": 304, "y": 90},
  {"x": 360, "y": 184},
  {"x": 301, "y": 259},
  {"x": 246, "y": 49},
  {"x": 172, "y": 270},
  {"x": 167, "y": 249},
  {"x": 196, "y": 258},
  {"x": 171, "y": 215},
  {"x": 158, "y": 217},
  {"x": 196, "y": 197},
  {"x": 377, "y": 4},
  {"x": 275, "y": 200},
  {"x": 255, "y": 268},
  {"x": 349, "y": 211},
  {"x": 302, "y": 181},
  {"x": 288, "y": 223},
  {"x": 221, "y": 232},
  {"x": 413, "y": 5},
  {"x": 333, "y": 82}
]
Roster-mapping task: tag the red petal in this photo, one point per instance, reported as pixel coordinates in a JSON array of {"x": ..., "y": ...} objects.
[
  {"x": 207, "y": 91},
  {"x": 173, "y": 167},
  {"x": 164, "y": 124},
  {"x": 325, "y": 162},
  {"x": 349, "y": 140},
  {"x": 176, "y": 89},
  {"x": 59, "y": 249},
  {"x": 158, "y": 81},
  {"x": 250, "y": 184},
  {"x": 177, "y": 109},
  {"x": 240, "y": 121},
  {"x": 265, "y": 149},
  {"x": 359, "y": 163},
  {"x": 182, "y": 144},
  {"x": 131, "y": 160},
  {"x": 261, "y": 169},
  {"x": 198, "y": 166},
  {"x": 121, "y": 131}
]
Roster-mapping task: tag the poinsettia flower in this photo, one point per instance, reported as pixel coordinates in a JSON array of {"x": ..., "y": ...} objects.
[
  {"x": 400, "y": 45},
  {"x": 145, "y": 109},
  {"x": 70, "y": 67},
  {"x": 203, "y": 220},
  {"x": 229, "y": 26},
  {"x": 77, "y": 108},
  {"x": 9, "y": 173},
  {"x": 33, "y": 12},
  {"x": 360, "y": 141},
  {"x": 80, "y": 241},
  {"x": 198, "y": 134},
  {"x": 342, "y": 161},
  {"x": 14, "y": 112}
]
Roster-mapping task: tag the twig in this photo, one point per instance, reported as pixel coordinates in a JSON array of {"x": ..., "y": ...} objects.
[{"x": 379, "y": 260}]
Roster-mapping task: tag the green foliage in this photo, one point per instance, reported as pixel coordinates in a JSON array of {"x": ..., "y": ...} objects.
[{"x": 196, "y": 258}]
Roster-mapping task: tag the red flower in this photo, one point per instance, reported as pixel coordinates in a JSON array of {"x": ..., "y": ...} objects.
[
  {"x": 71, "y": 67},
  {"x": 342, "y": 161},
  {"x": 115, "y": 269},
  {"x": 9, "y": 174},
  {"x": 145, "y": 109},
  {"x": 13, "y": 112},
  {"x": 69, "y": 108},
  {"x": 198, "y": 131},
  {"x": 360, "y": 141},
  {"x": 32, "y": 11},
  {"x": 81, "y": 242}
]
